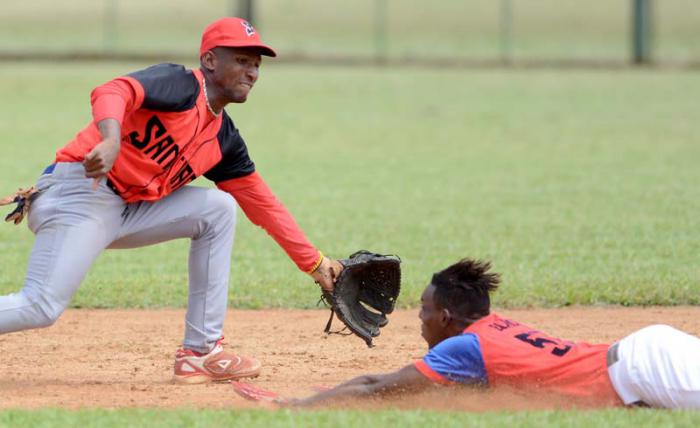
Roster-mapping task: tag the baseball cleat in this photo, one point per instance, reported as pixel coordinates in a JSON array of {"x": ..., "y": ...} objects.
[{"x": 216, "y": 366}]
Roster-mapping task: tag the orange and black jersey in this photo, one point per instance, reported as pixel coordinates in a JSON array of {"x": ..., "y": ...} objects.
[
  {"x": 169, "y": 137},
  {"x": 498, "y": 351}
]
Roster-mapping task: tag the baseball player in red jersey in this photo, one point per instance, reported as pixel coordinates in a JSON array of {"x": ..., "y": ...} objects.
[
  {"x": 657, "y": 366},
  {"x": 122, "y": 183}
]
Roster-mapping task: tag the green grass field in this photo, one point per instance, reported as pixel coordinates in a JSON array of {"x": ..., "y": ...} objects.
[
  {"x": 341, "y": 419},
  {"x": 579, "y": 186},
  {"x": 541, "y": 29}
]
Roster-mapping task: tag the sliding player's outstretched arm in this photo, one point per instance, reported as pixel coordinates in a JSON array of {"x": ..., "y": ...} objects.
[{"x": 407, "y": 379}]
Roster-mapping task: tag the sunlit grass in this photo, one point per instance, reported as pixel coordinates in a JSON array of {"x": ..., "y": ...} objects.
[{"x": 580, "y": 187}]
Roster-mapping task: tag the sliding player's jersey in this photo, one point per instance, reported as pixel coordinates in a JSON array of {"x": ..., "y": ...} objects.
[{"x": 497, "y": 351}]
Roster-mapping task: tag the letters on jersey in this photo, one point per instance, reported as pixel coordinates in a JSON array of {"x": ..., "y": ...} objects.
[
  {"x": 500, "y": 351},
  {"x": 160, "y": 147}
]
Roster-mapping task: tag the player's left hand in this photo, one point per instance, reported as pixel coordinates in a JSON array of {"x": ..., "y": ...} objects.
[{"x": 327, "y": 273}]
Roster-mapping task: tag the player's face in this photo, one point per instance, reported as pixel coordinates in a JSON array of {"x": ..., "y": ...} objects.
[
  {"x": 433, "y": 319},
  {"x": 235, "y": 72}
]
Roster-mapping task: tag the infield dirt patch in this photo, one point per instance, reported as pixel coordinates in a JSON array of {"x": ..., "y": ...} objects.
[{"x": 123, "y": 358}]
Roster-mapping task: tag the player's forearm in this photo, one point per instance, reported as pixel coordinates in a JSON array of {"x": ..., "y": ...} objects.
[
  {"x": 99, "y": 161},
  {"x": 361, "y": 386},
  {"x": 407, "y": 379},
  {"x": 110, "y": 129},
  {"x": 336, "y": 394},
  {"x": 280, "y": 225},
  {"x": 361, "y": 380}
]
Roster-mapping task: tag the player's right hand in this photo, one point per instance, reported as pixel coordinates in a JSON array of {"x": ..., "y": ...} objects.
[{"x": 99, "y": 161}]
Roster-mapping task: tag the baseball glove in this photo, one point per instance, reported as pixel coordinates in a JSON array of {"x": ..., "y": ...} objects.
[
  {"x": 364, "y": 293},
  {"x": 23, "y": 198}
]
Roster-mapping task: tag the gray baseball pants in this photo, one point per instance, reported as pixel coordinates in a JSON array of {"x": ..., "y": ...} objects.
[{"x": 74, "y": 223}]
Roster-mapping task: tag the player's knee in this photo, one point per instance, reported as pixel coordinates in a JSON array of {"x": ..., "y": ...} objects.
[
  {"x": 217, "y": 216},
  {"x": 42, "y": 313},
  {"x": 44, "y": 321},
  {"x": 47, "y": 317},
  {"x": 222, "y": 206}
]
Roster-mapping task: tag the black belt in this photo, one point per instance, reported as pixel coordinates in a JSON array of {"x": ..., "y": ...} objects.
[
  {"x": 613, "y": 356},
  {"x": 112, "y": 187}
]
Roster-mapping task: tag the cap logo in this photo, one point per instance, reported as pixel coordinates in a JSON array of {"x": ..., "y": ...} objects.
[{"x": 249, "y": 30}]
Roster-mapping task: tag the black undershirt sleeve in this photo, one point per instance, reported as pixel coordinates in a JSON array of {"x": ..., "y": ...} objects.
[
  {"x": 167, "y": 87},
  {"x": 235, "y": 162}
]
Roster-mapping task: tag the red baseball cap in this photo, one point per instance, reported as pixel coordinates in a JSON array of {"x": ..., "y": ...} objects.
[{"x": 235, "y": 33}]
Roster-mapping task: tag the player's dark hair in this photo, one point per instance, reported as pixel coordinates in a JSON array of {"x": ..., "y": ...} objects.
[{"x": 464, "y": 288}]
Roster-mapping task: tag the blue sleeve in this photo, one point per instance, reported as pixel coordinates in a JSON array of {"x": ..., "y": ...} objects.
[{"x": 458, "y": 359}]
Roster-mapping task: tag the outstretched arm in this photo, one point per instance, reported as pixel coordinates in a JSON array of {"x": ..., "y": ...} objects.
[
  {"x": 407, "y": 379},
  {"x": 263, "y": 208}
]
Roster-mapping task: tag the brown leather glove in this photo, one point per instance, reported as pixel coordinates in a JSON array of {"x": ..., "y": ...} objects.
[{"x": 23, "y": 198}]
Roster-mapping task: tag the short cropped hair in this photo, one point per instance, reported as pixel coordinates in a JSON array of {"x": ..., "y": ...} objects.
[{"x": 464, "y": 288}]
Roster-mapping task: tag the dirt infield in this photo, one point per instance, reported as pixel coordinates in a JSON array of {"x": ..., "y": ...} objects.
[{"x": 123, "y": 358}]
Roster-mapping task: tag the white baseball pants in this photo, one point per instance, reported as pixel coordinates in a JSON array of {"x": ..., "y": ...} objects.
[
  {"x": 659, "y": 366},
  {"x": 74, "y": 223}
]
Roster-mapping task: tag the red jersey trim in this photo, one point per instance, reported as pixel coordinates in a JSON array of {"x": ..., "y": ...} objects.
[{"x": 431, "y": 374}]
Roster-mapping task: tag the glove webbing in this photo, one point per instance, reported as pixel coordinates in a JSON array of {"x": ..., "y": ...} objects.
[{"x": 327, "y": 330}]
